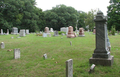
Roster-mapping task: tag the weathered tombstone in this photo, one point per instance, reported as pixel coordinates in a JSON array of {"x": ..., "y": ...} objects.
[
  {"x": 70, "y": 32},
  {"x": 101, "y": 54},
  {"x": 12, "y": 37},
  {"x": 14, "y": 30},
  {"x": 81, "y": 32},
  {"x": 1, "y": 31},
  {"x": 51, "y": 29},
  {"x": 56, "y": 33},
  {"x": 94, "y": 30},
  {"x": 63, "y": 34},
  {"x": 44, "y": 34},
  {"x": 64, "y": 29},
  {"x": 27, "y": 31},
  {"x": 45, "y": 56},
  {"x": 46, "y": 30},
  {"x": 16, "y": 53},
  {"x": 2, "y": 45},
  {"x": 69, "y": 68},
  {"x": 92, "y": 68},
  {"x": 22, "y": 32},
  {"x": 7, "y": 31},
  {"x": 70, "y": 42}
]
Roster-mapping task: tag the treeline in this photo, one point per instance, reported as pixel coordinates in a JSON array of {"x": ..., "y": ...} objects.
[{"x": 23, "y": 14}]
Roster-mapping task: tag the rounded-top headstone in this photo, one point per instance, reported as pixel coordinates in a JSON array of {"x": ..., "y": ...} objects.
[
  {"x": 46, "y": 30},
  {"x": 81, "y": 32}
]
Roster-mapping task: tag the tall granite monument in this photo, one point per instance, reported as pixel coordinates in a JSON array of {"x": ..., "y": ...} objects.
[{"x": 101, "y": 55}]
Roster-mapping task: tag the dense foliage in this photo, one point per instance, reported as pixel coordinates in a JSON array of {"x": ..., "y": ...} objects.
[
  {"x": 21, "y": 14},
  {"x": 114, "y": 14}
]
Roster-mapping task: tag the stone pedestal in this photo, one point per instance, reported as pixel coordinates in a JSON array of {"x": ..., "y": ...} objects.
[
  {"x": 101, "y": 54},
  {"x": 70, "y": 32}
]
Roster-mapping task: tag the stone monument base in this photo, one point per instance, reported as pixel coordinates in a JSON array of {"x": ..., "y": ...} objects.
[{"x": 102, "y": 61}]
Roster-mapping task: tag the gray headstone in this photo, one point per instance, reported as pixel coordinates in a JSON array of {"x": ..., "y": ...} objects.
[
  {"x": 14, "y": 30},
  {"x": 16, "y": 53},
  {"x": 2, "y": 45},
  {"x": 45, "y": 56},
  {"x": 70, "y": 42},
  {"x": 27, "y": 31},
  {"x": 22, "y": 32},
  {"x": 1, "y": 31},
  {"x": 7, "y": 31},
  {"x": 63, "y": 34},
  {"x": 69, "y": 68},
  {"x": 101, "y": 54},
  {"x": 44, "y": 34},
  {"x": 56, "y": 33}
]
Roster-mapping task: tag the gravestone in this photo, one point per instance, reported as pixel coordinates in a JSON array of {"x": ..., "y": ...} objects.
[
  {"x": 46, "y": 30},
  {"x": 16, "y": 53},
  {"x": 14, "y": 30},
  {"x": 27, "y": 31},
  {"x": 64, "y": 29},
  {"x": 101, "y": 54},
  {"x": 2, "y": 45},
  {"x": 81, "y": 32},
  {"x": 69, "y": 68},
  {"x": 45, "y": 56},
  {"x": 56, "y": 33},
  {"x": 51, "y": 29},
  {"x": 44, "y": 34},
  {"x": 63, "y": 34},
  {"x": 70, "y": 32},
  {"x": 1, "y": 31},
  {"x": 7, "y": 31},
  {"x": 22, "y": 32}
]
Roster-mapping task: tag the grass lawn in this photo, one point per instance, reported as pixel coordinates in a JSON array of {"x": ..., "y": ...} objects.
[{"x": 32, "y": 64}]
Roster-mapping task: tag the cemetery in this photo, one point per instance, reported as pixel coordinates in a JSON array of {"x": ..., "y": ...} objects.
[
  {"x": 31, "y": 50},
  {"x": 61, "y": 42}
]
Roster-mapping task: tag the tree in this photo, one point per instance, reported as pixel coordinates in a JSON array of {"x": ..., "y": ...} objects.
[
  {"x": 114, "y": 14},
  {"x": 61, "y": 16},
  {"x": 89, "y": 18}
]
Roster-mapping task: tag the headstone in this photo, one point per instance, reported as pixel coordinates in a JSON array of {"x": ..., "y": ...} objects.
[
  {"x": 1, "y": 31},
  {"x": 70, "y": 42},
  {"x": 56, "y": 33},
  {"x": 51, "y": 29},
  {"x": 64, "y": 29},
  {"x": 22, "y": 32},
  {"x": 81, "y": 32},
  {"x": 70, "y": 32},
  {"x": 16, "y": 53},
  {"x": 7, "y": 31},
  {"x": 27, "y": 31},
  {"x": 45, "y": 56},
  {"x": 14, "y": 30},
  {"x": 101, "y": 54},
  {"x": 2, "y": 45},
  {"x": 12, "y": 37},
  {"x": 63, "y": 34},
  {"x": 92, "y": 68},
  {"x": 69, "y": 68},
  {"x": 44, "y": 34},
  {"x": 46, "y": 30}
]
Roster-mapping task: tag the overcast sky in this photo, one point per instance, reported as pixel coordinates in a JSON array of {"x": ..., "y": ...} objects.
[{"x": 79, "y": 5}]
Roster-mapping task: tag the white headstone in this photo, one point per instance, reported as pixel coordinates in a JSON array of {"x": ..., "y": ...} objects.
[
  {"x": 2, "y": 45},
  {"x": 16, "y": 53},
  {"x": 22, "y": 32},
  {"x": 1, "y": 31},
  {"x": 7, "y": 31},
  {"x": 14, "y": 30},
  {"x": 64, "y": 29},
  {"x": 45, "y": 56},
  {"x": 27, "y": 31},
  {"x": 69, "y": 68},
  {"x": 44, "y": 34},
  {"x": 51, "y": 29}
]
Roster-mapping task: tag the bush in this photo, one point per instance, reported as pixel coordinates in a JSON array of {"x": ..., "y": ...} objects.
[
  {"x": 60, "y": 32},
  {"x": 113, "y": 30}
]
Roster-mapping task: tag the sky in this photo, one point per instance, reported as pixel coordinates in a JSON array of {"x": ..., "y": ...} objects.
[{"x": 79, "y": 5}]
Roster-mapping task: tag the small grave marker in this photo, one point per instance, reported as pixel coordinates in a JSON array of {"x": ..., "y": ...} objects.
[
  {"x": 2, "y": 45},
  {"x": 16, "y": 53},
  {"x": 69, "y": 68}
]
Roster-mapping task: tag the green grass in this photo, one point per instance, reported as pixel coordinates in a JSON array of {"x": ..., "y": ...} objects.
[{"x": 32, "y": 64}]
